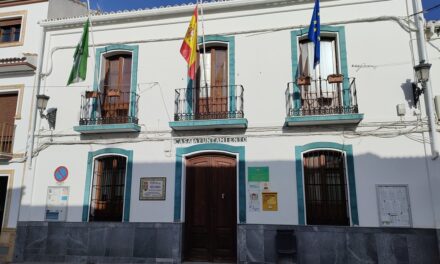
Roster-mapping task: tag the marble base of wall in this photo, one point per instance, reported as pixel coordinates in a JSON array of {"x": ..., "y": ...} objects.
[
  {"x": 7, "y": 240},
  {"x": 340, "y": 245},
  {"x": 98, "y": 242},
  {"x": 162, "y": 243}
]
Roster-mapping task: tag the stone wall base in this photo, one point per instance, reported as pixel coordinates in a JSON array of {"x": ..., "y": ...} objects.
[
  {"x": 340, "y": 245},
  {"x": 95, "y": 243},
  {"x": 98, "y": 242}
]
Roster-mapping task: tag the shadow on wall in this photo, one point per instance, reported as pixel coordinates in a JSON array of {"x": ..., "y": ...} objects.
[{"x": 109, "y": 242}]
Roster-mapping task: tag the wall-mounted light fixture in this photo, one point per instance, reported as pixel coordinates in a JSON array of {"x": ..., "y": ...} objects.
[
  {"x": 422, "y": 74},
  {"x": 51, "y": 113}
]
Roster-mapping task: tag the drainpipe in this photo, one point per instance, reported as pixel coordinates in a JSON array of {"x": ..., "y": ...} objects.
[
  {"x": 423, "y": 58},
  {"x": 34, "y": 110}
]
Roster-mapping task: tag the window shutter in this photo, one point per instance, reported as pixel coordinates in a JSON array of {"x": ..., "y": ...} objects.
[{"x": 8, "y": 104}]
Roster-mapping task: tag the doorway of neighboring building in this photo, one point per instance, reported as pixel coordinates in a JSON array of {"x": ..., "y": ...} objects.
[
  {"x": 210, "y": 232},
  {"x": 3, "y": 191}
]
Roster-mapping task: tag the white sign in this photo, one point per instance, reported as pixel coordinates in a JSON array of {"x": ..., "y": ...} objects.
[
  {"x": 56, "y": 203},
  {"x": 254, "y": 190},
  {"x": 394, "y": 207},
  {"x": 152, "y": 188}
]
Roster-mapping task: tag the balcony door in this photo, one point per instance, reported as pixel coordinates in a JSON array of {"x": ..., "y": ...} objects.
[
  {"x": 320, "y": 94},
  {"x": 8, "y": 103},
  {"x": 115, "y": 102},
  {"x": 212, "y": 92}
]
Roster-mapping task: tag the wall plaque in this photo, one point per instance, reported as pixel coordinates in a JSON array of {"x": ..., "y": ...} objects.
[
  {"x": 270, "y": 201},
  {"x": 152, "y": 188}
]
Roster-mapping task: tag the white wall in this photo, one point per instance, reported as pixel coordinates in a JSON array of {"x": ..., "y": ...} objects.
[{"x": 263, "y": 67}]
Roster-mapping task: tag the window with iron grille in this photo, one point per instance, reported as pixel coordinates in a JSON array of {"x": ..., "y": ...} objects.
[
  {"x": 10, "y": 30},
  {"x": 108, "y": 189},
  {"x": 325, "y": 188}
]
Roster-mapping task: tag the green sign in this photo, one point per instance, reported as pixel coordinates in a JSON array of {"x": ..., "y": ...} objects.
[{"x": 258, "y": 174}]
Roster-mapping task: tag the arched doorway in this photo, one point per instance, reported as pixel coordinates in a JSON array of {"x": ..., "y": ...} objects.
[{"x": 210, "y": 232}]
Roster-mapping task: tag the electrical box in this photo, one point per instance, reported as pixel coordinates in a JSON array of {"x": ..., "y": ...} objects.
[
  {"x": 393, "y": 204},
  {"x": 437, "y": 106},
  {"x": 401, "y": 109}
]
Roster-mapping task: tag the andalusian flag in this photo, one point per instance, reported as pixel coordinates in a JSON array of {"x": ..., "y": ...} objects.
[
  {"x": 315, "y": 32},
  {"x": 79, "y": 69},
  {"x": 189, "y": 45}
]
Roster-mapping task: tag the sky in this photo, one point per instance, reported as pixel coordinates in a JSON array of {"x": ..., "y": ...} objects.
[{"x": 114, "y": 5}]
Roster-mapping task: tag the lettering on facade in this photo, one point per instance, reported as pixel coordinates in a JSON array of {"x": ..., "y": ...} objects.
[{"x": 210, "y": 140}]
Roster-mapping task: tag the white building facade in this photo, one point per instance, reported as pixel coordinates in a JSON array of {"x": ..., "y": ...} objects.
[{"x": 146, "y": 165}]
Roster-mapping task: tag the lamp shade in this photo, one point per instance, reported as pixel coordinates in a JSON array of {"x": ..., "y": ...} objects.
[
  {"x": 422, "y": 71},
  {"x": 42, "y": 101}
]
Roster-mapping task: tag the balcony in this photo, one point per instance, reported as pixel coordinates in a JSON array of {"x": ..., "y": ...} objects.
[
  {"x": 212, "y": 107},
  {"x": 321, "y": 102},
  {"x": 111, "y": 111},
  {"x": 6, "y": 140}
]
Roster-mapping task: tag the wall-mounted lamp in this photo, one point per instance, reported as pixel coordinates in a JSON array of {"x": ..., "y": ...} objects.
[
  {"x": 422, "y": 74},
  {"x": 51, "y": 113}
]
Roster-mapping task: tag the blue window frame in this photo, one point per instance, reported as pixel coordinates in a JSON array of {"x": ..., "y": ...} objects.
[{"x": 348, "y": 151}]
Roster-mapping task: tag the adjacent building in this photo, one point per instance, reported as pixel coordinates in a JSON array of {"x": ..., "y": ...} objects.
[
  {"x": 21, "y": 40},
  {"x": 263, "y": 156}
]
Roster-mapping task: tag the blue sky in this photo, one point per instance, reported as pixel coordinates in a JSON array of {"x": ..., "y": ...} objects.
[{"x": 113, "y": 5}]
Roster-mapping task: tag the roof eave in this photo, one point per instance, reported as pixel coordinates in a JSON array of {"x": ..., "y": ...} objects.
[{"x": 184, "y": 9}]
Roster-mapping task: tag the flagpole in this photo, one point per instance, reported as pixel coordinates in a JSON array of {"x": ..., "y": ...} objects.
[
  {"x": 204, "y": 49},
  {"x": 93, "y": 40}
]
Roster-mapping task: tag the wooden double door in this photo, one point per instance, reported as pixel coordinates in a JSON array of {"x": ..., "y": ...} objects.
[{"x": 210, "y": 232}]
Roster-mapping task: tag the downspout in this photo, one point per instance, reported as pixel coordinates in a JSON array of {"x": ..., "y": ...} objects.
[
  {"x": 423, "y": 58},
  {"x": 34, "y": 110}
]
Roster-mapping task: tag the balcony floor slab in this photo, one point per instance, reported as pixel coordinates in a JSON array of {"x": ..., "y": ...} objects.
[
  {"x": 107, "y": 128},
  {"x": 209, "y": 124},
  {"x": 323, "y": 120}
]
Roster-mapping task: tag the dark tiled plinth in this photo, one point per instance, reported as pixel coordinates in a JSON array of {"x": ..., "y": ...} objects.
[
  {"x": 98, "y": 242},
  {"x": 323, "y": 245}
]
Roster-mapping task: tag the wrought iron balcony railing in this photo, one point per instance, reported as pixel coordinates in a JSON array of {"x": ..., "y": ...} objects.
[
  {"x": 6, "y": 139},
  {"x": 321, "y": 97},
  {"x": 109, "y": 107},
  {"x": 212, "y": 102}
]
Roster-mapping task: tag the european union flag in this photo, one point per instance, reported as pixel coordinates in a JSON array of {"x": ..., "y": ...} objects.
[{"x": 314, "y": 33}]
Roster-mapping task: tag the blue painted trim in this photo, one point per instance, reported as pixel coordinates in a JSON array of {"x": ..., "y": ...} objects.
[
  {"x": 128, "y": 181},
  {"x": 241, "y": 122},
  {"x": 231, "y": 66},
  {"x": 108, "y": 128},
  {"x": 294, "y": 36},
  {"x": 239, "y": 150},
  {"x": 348, "y": 149},
  {"x": 324, "y": 118},
  {"x": 100, "y": 52}
]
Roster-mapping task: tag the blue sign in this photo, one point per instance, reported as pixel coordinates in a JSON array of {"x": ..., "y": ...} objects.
[{"x": 61, "y": 174}]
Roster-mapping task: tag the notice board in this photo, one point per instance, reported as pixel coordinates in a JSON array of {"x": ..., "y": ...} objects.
[
  {"x": 56, "y": 203},
  {"x": 393, "y": 204}
]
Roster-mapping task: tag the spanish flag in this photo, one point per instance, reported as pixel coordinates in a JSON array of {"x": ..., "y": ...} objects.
[{"x": 189, "y": 45}]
